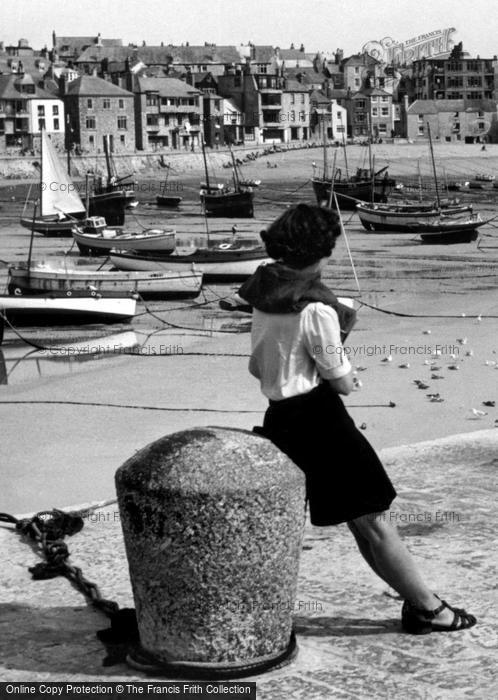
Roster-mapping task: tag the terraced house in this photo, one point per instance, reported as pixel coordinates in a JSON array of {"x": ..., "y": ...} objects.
[
  {"x": 168, "y": 114},
  {"x": 25, "y": 109},
  {"x": 95, "y": 109}
]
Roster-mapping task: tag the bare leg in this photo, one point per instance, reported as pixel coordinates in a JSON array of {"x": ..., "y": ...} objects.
[{"x": 383, "y": 549}]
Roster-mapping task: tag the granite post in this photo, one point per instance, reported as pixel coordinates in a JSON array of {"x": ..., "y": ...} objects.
[{"x": 213, "y": 521}]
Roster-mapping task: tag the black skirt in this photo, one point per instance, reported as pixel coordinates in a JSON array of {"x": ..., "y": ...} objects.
[{"x": 344, "y": 477}]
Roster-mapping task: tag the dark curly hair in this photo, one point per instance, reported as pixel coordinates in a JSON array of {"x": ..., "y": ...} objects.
[{"x": 302, "y": 235}]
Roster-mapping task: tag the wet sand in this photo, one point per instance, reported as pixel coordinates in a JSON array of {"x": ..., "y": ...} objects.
[{"x": 189, "y": 366}]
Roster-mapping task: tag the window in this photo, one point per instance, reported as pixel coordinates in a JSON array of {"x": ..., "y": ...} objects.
[
  {"x": 150, "y": 99},
  {"x": 360, "y": 104},
  {"x": 106, "y": 103},
  {"x": 55, "y": 110},
  {"x": 384, "y": 111},
  {"x": 339, "y": 115},
  {"x": 385, "y": 98},
  {"x": 302, "y": 98},
  {"x": 420, "y": 118},
  {"x": 481, "y": 125},
  {"x": 293, "y": 98},
  {"x": 152, "y": 119},
  {"x": 356, "y": 69},
  {"x": 56, "y": 125},
  {"x": 91, "y": 123},
  {"x": 41, "y": 124},
  {"x": 122, "y": 139},
  {"x": 121, "y": 103},
  {"x": 382, "y": 128},
  {"x": 41, "y": 111},
  {"x": 89, "y": 103},
  {"x": 122, "y": 123},
  {"x": 357, "y": 82},
  {"x": 421, "y": 130},
  {"x": 91, "y": 140},
  {"x": 375, "y": 112}
]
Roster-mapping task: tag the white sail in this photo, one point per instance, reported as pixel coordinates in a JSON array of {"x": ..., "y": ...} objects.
[{"x": 58, "y": 194}]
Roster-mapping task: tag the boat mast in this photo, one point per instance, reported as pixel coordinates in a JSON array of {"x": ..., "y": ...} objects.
[
  {"x": 345, "y": 156},
  {"x": 107, "y": 159},
  {"x": 205, "y": 163},
  {"x": 419, "y": 181},
  {"x": 235, "y": 173},
  {"x": 438, "y": 200},
  {"x": 325, "y": 164}
]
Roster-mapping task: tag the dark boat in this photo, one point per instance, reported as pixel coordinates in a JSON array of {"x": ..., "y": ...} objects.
[
  {"x": 167, "y": 201},
  {"x": 350, "y": 190},
  {"x": 221, "y": 200},
  {"x": 112, "y": 198},
  {"x": 365, "y": 185}
]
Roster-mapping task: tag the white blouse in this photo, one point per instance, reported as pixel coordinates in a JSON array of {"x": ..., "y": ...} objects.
[{"x": 291, "y": 352}]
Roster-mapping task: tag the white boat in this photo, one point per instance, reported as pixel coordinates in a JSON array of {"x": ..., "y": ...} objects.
[
  {"x": 44, "y": 277},
  {"x": 221, "y": 263},
  {"x": 58, "y": 196},
  {"x": 95, "y": 238},
  {"x": 71, "y": 306}
]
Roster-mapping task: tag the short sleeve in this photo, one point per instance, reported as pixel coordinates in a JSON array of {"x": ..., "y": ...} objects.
[{"x": 322, "y": 338}]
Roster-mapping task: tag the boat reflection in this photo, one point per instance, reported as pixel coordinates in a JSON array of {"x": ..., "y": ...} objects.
[{"x": 61, "y": 358}]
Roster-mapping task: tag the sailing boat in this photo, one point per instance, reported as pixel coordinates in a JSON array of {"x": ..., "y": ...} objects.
[
  {"x": 364, "y": 185},
  {"x": 36, "y": 305},
  {"x": 220, "y": 200},
  {"x": 167, "y": 200},
  {"x": 435, "y": 223},
  {"x": 111, "y": 199},
  {"x": 60, "y": 203}
]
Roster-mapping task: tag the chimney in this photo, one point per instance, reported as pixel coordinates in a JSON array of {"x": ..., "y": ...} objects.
[
  {"x": 98, "y": 40},
  {"x": 301, "y": 48}
]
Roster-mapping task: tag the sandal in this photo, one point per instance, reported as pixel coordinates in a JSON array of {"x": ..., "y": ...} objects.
[{"x": 412, "y": 623}]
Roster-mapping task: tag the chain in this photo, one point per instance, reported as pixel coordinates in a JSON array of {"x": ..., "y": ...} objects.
[{"x": 48, "y": 528}]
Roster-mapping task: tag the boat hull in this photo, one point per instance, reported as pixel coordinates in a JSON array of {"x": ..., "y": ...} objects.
[
  {"x": 386, "y": 219},
  {"x": 169, "y": 202},
  {"x": 231, "y": 204},
  {"x": 49, "y": 227},
  {"x": 112, "y": 205},
  {"x": 39, "y": 309},
  {"x": 215, "y": 267},
  {"x": 349, "y": 193},
  {"x": 90, "y": 244},
  {"x": 149, "y": 285}
]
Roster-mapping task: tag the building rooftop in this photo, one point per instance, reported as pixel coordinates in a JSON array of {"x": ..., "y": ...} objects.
[
  {"x": 166, "y": 87},
  {"x": 437, "y": 106},
  {"x": 92, "y": 86}
]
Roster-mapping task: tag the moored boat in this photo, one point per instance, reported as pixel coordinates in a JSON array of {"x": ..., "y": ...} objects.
[
  {"x": 95, "y": 238},
  {"x": 402, "y": 218},
  {"x": 221, "y": 200},
  {"x": 223, "y": 262},
  {"x": 64, "y": 307},
  {"x": 42, "y": 277}
]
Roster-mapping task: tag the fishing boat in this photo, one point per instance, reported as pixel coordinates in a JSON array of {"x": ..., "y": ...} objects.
[
  {"x": 365, "y": 185},
  {"x": 43, "y": 277},
  {"x": 63, "y": 307},
  {"x": 437, "y": 224},
  {"x": 59, "y": 201},
  {"x": 94, "y": 237},
  {"x": 219, "y": 263},
  {"x": 111, "y": 198},
  {"x": 222, "y": 200},
  {"x": 167, "y": 200},
  {"x": 401, "y": 218},
  {"x": 484, "y": 177}
]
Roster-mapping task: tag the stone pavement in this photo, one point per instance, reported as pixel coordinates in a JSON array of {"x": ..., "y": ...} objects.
[{"x": 347, "y": 621}]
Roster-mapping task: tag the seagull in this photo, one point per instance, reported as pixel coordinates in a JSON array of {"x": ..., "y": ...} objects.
[
  {"x": 489, "y": 363},
  {"x": 387, "y": 359},
  {"x": 422, "y": 386},
  {"x": 437, "y": 376},
  {"x": 363, "y": 426},
  {"x": 492, "y": 404},
  {"x": 469, "y": 353},
  {"x": 436, "y": 399},
  {"x": 359, "y": 368},
  {"x": 428, "y": 332},
  {"x": 462, "y": 341},
  {"x": 435, "y": 369},
  {"x": 463, "y": 315},
  {"x": 404, "y": 366},
  {"x": 453, "y": 367},
  {"x": 479, "y": 318},
  {"x": 477, "y": 413}
]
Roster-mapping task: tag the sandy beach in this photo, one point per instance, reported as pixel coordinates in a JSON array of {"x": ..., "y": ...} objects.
[{"x": 427, "y": 314}]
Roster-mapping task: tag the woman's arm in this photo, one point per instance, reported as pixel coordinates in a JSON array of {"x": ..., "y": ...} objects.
[{"x": 343, "y": 385}]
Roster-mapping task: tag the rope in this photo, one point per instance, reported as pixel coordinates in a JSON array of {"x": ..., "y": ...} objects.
[{"x": 347, "y": 244}]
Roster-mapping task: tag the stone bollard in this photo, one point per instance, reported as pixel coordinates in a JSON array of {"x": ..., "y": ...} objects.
[{"x": 213, "y": 521}]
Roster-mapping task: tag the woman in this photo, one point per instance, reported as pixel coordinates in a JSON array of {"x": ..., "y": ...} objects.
[{"x": 298, "y": 358}]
